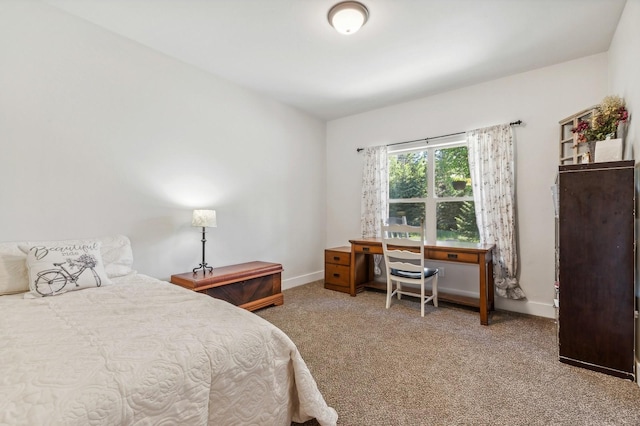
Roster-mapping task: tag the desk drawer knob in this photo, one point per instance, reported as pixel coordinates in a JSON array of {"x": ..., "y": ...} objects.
[
  {"x": 452, "y": 256},
  {"x": 336, "y": 258},
  {"x": 365, "y": 248},
  {"x": 336, "y": 275}
]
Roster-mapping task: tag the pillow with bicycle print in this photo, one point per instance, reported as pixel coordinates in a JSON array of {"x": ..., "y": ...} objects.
[{"x": 65, "y": 266}]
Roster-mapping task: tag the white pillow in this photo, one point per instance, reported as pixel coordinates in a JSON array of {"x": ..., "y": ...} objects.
[
  {"x": 64, "y": 266},
  {"x": 13, "y": 269},
  {"x": 116, "y": 254}
]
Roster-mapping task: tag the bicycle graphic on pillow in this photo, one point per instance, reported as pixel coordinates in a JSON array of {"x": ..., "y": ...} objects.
[{"x": 52, "y": 281}]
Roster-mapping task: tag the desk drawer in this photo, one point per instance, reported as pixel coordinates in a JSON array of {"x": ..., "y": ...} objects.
[
  {"x": 336, "y": 275},
  {"x": 337, "y": 257},
  {"x": 452, "y": 256},
  {"x": 367, "y": 249}
]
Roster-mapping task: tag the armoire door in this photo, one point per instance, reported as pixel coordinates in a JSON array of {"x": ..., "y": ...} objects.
[{"x": 597, "y": 244}]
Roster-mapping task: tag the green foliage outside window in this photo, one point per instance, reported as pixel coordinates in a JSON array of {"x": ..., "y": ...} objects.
[
  {"x": 466, "y": 222},
  {"x": 452, "y": 168},
  {"x": 408, "y": 179},
  {"x": 457, "y": 221},
  {"x": 408, "y": 175}
]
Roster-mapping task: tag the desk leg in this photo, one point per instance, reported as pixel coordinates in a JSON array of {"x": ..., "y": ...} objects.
[
  {"x": 491, "y": 285},
  {"x": 484, "y": 293},
  {"x": 352, "y": 273}
]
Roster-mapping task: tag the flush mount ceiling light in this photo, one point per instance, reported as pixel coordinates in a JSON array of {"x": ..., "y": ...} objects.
[{"x": 348, "y": 16}]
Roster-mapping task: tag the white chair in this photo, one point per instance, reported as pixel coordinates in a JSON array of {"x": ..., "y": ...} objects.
[{"x": 403, "y": 249}]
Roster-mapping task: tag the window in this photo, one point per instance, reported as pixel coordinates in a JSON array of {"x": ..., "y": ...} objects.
[{"x": 433, "y": 184}]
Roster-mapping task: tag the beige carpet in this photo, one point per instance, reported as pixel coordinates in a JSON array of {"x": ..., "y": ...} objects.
[{"x": 392, "y": 367}]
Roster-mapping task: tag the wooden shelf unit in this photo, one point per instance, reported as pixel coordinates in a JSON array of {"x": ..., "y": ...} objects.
[{"x": 571, "y": 151}]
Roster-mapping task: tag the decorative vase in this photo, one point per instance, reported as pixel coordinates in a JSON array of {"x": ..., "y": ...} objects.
[
  {"x": 609, "y": 150},
  {"x": 621, "y": 130},
  {"x": 591, "y": 149}
]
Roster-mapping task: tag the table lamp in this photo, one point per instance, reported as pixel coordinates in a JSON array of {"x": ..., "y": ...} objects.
[{"x": 205, "y": 219}]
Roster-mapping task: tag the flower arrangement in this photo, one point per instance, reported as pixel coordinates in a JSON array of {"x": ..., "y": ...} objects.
[
  {"x": 86, "y": 260},
  {"x": 604, "y": 120}
]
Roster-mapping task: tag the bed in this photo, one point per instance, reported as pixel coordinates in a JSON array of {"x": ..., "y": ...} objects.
[{"x": 137, "y": 350}]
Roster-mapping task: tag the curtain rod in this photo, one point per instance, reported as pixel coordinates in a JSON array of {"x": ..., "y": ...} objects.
[{"x": 513, "y": 123}]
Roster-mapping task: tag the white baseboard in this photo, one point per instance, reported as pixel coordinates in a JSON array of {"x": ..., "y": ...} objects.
[
  {"x": 456, "y": 292},
  {"x": 526, "y": 307},
  {"x": 302, "y": 280},
  {"x": 521, "y": 306}
]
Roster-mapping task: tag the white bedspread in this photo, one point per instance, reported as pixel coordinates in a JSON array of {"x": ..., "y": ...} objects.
[{"x": 147, "y": 352}]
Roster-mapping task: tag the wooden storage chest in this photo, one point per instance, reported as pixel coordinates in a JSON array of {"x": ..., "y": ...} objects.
[{"x": 251, "y": 285}]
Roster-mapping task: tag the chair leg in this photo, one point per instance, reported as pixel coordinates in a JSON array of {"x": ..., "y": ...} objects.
[
  {"x": 399, "y": 288},
  {"x": 434, "y": 290},
  {"x": 389, "y": 292},
  {"x": 422, "y": 300}
]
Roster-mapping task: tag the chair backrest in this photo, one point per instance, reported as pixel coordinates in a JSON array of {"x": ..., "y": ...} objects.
[
  {"x": 400, "y": 220},
  {"x": 403, "y": 247}
]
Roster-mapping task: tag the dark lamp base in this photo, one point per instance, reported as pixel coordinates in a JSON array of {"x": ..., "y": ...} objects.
[{"x": 204, "y": 268}]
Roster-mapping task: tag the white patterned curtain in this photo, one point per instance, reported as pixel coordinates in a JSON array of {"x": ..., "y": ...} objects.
[
  {"x": 492, "y": 167},
  {"x": 374, "y": 203}
]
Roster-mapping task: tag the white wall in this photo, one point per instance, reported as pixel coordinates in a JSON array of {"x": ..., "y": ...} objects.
[
  {"x": 624, "y": 68},
  {"x": 624, "y": 72},
  {"x": 540, "y": 98},
  {"x": 100, "y": 135}
]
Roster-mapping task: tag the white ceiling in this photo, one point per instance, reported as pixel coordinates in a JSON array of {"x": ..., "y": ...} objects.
[{"x": 408, "y": 49}]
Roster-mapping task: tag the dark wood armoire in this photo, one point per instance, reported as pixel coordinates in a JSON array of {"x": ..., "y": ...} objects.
[{"x": 596, "y": 266}]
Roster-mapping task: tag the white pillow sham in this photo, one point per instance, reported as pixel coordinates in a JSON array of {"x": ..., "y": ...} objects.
[
  {"x": 115, "y": 250},
  {"x": 13, "y": 269},
  {"x": 66, "y": 266},
  {"x": 117, "y": 255}
]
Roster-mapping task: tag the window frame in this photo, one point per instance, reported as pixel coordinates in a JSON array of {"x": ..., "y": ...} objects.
[{"x": 432, "y": 200}]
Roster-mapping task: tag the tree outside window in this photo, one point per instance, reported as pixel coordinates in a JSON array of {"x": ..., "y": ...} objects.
[{"x": 433, "y": 185}]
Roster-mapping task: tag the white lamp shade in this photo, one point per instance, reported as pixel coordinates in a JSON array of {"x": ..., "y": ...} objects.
[
  {"x": 204, "y": 218},
  {"x": 347, "y": 17}
]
